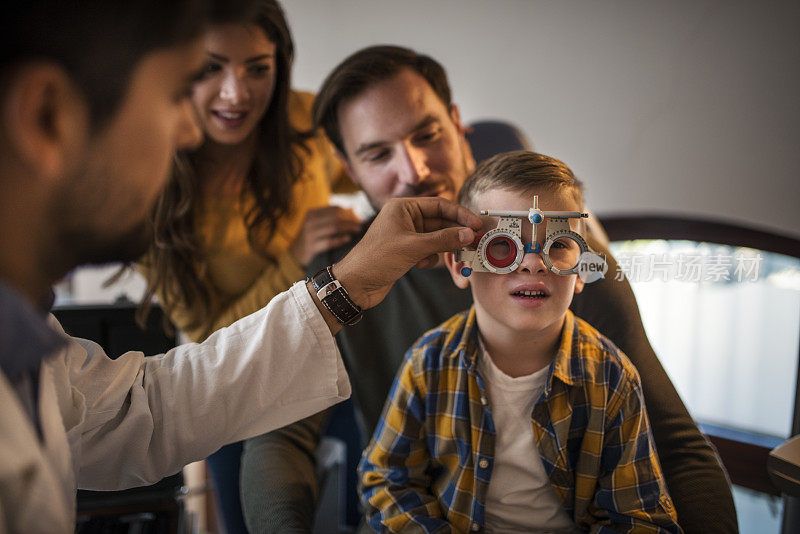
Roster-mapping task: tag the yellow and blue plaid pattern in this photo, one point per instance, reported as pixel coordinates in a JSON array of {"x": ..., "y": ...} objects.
[{"x": 428, "y": 466}]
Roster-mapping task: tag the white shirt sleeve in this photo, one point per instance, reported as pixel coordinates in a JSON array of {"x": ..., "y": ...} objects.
[{"x": 134, "y": 420}]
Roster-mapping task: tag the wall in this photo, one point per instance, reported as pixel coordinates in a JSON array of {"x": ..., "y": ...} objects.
[{"x": 676, "y": 107}]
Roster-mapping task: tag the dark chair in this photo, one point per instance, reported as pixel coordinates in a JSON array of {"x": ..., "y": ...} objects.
[{"x": 487, "y": 138}]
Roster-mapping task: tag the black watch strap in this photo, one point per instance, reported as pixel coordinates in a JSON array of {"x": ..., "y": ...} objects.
[{"x": 334, "y": 297}]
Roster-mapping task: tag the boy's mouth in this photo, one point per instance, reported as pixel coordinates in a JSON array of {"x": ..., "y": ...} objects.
[
  {"x": 530, "y": 294},
  {"x": 536, "y": 291}
]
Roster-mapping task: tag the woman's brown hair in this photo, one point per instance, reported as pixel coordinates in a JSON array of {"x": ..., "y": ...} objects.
[{"x": 176, "y": 271}]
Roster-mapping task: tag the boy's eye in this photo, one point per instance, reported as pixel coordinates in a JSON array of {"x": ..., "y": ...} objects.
[
  {"x": 565, "y": 243},
  {"x": 499, "y": 248},
  {"x": 564, "y": 253}
]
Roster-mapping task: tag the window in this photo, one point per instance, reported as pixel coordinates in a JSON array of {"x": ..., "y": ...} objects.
[{"x": 721, "y": 307}]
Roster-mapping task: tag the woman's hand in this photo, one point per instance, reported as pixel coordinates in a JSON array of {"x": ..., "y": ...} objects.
[{"x": 323, "y": 229}]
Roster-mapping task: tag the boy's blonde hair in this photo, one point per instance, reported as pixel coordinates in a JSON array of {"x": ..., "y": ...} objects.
[{"x": 521, "y": 171}]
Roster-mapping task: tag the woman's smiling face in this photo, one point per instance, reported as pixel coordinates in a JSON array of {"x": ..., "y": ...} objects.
[{"x": 237, "y": 84}]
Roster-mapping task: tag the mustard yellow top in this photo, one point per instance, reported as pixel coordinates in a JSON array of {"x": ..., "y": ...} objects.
[{"x": 243, "y": 281}]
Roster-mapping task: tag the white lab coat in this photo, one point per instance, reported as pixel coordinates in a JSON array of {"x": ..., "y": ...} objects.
[{"x": 113, "y": 424}]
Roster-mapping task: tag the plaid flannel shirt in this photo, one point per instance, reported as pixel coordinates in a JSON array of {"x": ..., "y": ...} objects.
[{"x": 428, "y": 466}]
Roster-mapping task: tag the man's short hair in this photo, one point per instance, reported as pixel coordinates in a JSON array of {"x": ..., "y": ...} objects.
[
  {"x": 521, "y": 171},
  {"x": 98, "y": 42},
  {"x": 365, "y": 68}
]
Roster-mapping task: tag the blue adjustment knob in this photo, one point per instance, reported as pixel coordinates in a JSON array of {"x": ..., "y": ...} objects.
[{"x": 466, "y": 271}]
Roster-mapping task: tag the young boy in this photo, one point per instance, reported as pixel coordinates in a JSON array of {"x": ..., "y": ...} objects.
[{"x": 516, "y": 416}]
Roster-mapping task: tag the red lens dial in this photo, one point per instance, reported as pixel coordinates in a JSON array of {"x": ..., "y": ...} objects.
[{"x": 501, "y": 251}]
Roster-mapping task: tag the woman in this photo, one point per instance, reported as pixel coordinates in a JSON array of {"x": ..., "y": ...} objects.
[
  {"x": 246, "y": 212},
  {"x": 242, "y": 216}
]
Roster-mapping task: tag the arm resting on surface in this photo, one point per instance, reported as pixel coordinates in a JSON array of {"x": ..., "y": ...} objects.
[{"x": 279, "y": 480}]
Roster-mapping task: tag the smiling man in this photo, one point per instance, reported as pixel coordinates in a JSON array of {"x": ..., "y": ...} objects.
[
  {"x": 401, "y": 139},
  {"x": 389, "y": 113},
  {"x": 93, "y": 105}
]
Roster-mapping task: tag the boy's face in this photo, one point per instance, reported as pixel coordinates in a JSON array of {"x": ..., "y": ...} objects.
[{"x": 503, "y": 302}]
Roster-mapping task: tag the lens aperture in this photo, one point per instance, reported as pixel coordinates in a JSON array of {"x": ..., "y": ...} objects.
[
  {"x": 501, "y": 251},
  {"x": 564, "y": 253}
]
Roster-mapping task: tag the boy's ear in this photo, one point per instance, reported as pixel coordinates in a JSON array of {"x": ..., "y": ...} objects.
[
  {"x": 454, "y": 267},
  {"x": 578, "y": 285}
]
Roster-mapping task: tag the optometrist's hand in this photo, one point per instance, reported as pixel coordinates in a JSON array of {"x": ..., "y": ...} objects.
[{"x": 407, "y": 232}]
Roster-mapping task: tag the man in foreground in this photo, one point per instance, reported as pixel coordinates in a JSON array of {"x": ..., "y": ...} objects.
[{"x": 93, "y": 106}]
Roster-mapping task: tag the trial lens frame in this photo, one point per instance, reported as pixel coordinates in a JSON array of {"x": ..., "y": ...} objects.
[{"x": 509, "y": 231}]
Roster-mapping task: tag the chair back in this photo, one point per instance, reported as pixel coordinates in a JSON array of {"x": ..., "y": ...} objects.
[{"x": 488, "y": 138}]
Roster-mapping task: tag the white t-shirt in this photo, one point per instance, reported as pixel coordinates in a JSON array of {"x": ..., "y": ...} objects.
[{"x": 520, "y": 497}]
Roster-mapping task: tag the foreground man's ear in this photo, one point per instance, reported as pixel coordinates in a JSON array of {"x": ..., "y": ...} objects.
[{"x": 44, "y": 120}]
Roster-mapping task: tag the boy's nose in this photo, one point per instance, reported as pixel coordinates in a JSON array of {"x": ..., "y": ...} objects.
[{"x": 532, "y": 262}]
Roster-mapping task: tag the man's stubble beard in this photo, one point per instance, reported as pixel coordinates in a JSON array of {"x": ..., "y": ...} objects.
[
  {"x": 93, "y": 247},
  {"x": 82, "y": 239}
]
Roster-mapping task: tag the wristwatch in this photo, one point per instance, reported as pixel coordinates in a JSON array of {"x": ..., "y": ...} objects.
[{"x": 334, "y": 297}]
